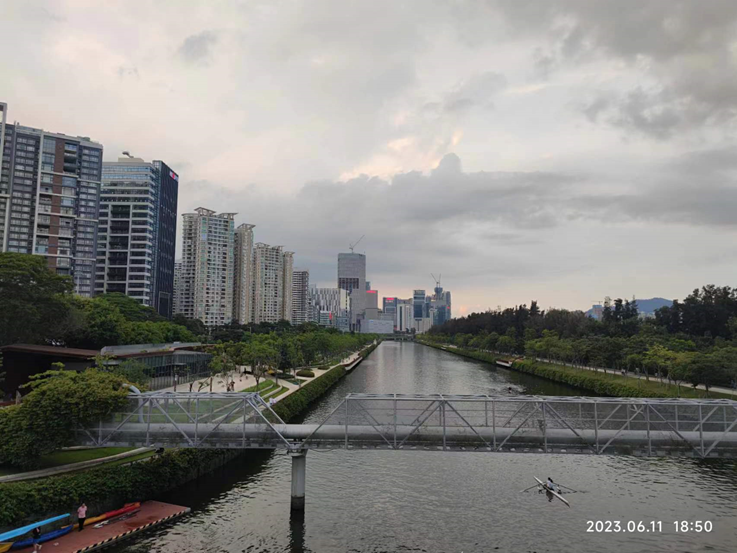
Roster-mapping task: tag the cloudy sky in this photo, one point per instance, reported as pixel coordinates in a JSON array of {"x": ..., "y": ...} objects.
[{"x": 559, "y": 151}]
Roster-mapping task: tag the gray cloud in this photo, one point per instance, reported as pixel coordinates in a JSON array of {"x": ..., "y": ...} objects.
[
  {"x": 575, "y": 120},
  {"x": 196, "y": 49}
]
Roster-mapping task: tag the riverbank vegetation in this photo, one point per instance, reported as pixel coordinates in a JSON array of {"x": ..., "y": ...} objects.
[{"x": 692, "y": 342}]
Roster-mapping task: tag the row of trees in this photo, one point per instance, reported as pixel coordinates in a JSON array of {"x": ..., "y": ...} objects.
[
  {"x": 285, "y": 352},
  {"x": 694, "y": 341}
]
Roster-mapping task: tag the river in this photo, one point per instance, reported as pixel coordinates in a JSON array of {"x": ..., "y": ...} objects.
[{"x": 406, "y": 501}]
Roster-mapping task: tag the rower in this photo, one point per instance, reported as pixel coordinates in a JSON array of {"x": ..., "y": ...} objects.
[
  {"x": 552, "y": 485},
  {"x": 509, "y": 390}
]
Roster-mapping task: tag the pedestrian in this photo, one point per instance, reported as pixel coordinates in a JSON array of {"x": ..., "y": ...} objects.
[
  {"x": 81, "y": 515},
  {"x": 36, "y": 535}
]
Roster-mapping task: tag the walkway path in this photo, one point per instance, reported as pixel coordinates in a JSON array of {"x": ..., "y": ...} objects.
[
  {"x": 53, "y": 471},
  {"x": 652, "y": 378}
]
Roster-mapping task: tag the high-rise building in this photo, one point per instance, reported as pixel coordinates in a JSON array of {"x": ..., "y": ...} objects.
[
  {"x": 331, "y": 306},
  {"x": 389, "y": 305},
  {"x": 372, "y": 299},
  {"x": 177, "y": 303},
  {"x": 243, "y": 287},
  {"x": 300, "y": 296},
  {"x": 418, "y": 303},
  {"x": 440, "y": 306},
  {"x": 405, "y": 318},
  {"x": 207, "y": 266},
  {"x": 137, "y": 232},
  {"x": 49, "y": 194},
  {"x": 352, "y": 279},
  {"x": 272, "y": 284}
]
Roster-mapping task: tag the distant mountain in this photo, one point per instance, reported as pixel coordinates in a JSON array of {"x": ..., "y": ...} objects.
[
  {"x": 647, "y": 307},
  {"x": 652, "y": 305}
]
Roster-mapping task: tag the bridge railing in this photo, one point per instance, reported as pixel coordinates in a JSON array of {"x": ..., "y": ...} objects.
[
  {"x": 181, "y": 419},
  {"x": 634, "y": 426},
  {"x": 531, "y": 423}
]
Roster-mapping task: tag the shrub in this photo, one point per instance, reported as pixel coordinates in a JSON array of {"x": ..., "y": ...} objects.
[
  {"x": 296, "y": 402},
  {"x": 105, "y": 487},
  {"x": 324, "y": 367},
  {"x": 305, "y": 372}
]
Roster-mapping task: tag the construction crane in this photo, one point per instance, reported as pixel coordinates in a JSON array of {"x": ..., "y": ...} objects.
[
  {"x": 351, "y": 246},
  {"x": 438, "y": 289}
]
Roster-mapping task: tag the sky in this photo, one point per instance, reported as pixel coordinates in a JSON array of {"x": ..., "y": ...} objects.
[{"x": 558, "y": 151}]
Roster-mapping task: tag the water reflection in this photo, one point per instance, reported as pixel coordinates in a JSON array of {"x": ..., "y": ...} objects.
[{"x": 371, "y": 501}]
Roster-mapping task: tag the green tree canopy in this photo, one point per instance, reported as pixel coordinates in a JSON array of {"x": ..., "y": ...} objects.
[{"x": 34, "y": 301}]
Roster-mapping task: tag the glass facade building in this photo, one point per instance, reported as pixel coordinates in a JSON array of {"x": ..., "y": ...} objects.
[{"x": 137, "y": 232}]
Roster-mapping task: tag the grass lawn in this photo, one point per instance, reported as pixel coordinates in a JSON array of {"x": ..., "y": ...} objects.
[{"x": 261, "y": 385}]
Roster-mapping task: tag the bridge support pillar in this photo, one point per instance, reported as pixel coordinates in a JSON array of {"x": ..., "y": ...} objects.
[{"x": 299, "y": 473}]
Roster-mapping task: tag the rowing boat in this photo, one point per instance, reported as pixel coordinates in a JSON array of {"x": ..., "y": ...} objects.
[{"x": 548, "y": 490}]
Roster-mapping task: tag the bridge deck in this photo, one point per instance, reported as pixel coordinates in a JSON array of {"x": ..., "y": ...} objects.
[{"x": 630, "y": 426}]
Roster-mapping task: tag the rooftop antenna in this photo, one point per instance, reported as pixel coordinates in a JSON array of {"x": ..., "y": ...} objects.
[{"x": 351, "y": 246}]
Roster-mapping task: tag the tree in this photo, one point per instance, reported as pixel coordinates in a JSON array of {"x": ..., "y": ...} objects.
[
  {"x": 59, "y": 402},
  {"x": 706, "y": 370},
  {"x": 290, "y": 354},
  {"x": 130, "y": 308},
  {"x": 506, "y": 344},
  {"x": 35, "y": 301},
  {"x": 195, "y": 326}
]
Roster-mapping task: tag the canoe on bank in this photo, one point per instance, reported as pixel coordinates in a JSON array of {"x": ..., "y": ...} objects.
[
  {"x": 28, "y": 542},
  {"x": 126, "y": 509}
]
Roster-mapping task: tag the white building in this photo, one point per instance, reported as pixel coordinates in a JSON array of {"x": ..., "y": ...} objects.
[
  {"x": 243, "y": 274},
  {"x": 272, "y": 284},
  {"x": 207, "y": 266},
  {"x": 300, "y": 296},
  {"x": 404, "y": 317},
  {"x": 331, "y": 304},
  {"x": 377, "y": 326}
]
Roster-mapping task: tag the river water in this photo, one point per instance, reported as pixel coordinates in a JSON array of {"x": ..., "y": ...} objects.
[{"x": 428, "y": 501}]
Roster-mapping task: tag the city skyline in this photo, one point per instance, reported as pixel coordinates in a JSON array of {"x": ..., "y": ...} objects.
[{"x": 575, "y": 152}]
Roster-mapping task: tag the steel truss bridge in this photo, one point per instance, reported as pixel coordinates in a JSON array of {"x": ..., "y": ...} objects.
[{"x": 520, "y": 424}]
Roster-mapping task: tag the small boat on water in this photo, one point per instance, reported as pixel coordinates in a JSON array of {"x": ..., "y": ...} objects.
[{"x": 548, "y": 490}]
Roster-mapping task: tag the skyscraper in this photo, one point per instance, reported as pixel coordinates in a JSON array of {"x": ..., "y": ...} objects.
[
  {"x": 352, "y": 279},
  {"x": 272, "y": 284},
  {"x": 418, "y": 304},
  {"x": 440, "y": 304},
  {"x": 49, "y": 194},
  {"x": 207, "y": 266},
  {"x": 243, "y": 274},
  {"x": 137, "y": 232},
  {"x": 300, "y": 296},
  {"x": 177, "y": 302}
]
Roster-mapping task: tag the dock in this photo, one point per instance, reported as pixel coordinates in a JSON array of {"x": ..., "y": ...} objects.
[{"x": 152, "y": 513}]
